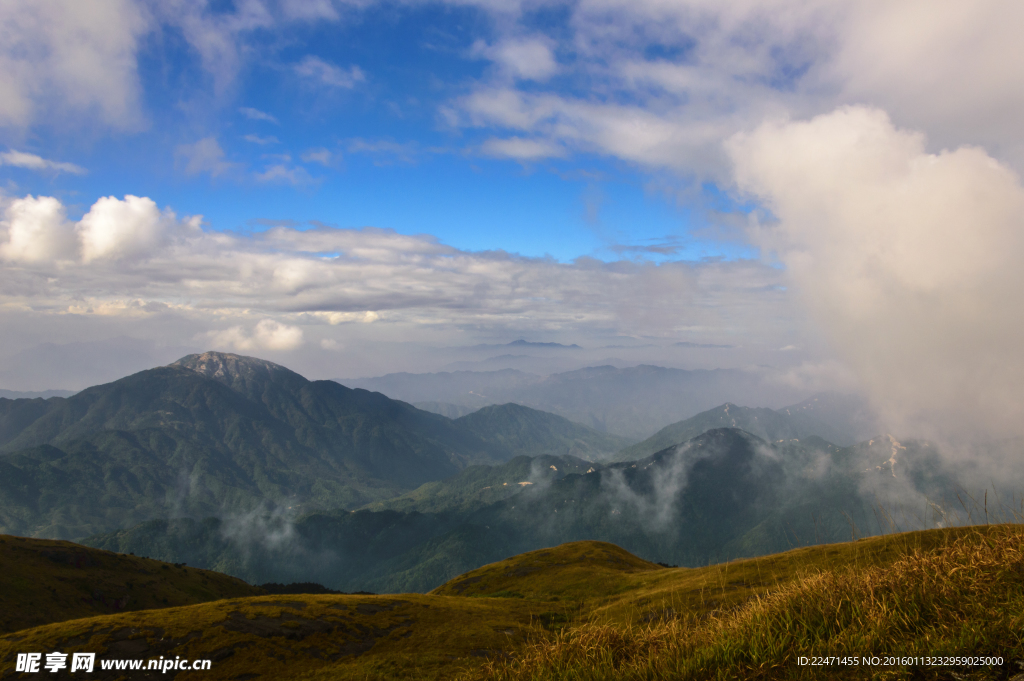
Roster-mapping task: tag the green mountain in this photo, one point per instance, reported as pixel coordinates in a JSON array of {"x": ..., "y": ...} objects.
[
  {"x": 479, "y": 486},
  {"x": 209, "y": 434},
  {"x": 216, "y": 434},
  {"x": 722, "y": 495},
  {"x": 529, "y": 432},
  {"x": 768, "y": 424}
]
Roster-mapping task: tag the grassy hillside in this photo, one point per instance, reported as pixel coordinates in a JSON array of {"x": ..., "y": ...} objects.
[
  {"x": 589, "y": 610},
  {"x": 936, "y": 594},
  {"x": 44, "y": 581}
]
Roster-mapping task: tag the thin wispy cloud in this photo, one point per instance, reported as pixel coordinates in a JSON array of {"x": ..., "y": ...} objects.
[
  {"x": 257, "y": 115},
  {"x": 262, "y": 141},
  {"x": 317, "y": 70},
  {"x": 21, "y": 159}
]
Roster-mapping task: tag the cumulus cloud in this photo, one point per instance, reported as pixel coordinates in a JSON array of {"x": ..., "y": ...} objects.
[
  {"x": 268, "y": 335},
  {"x": 115, "y": 228},
  {"x": 20, "y": 159},
  {"x": 910, "y": 260},
  {"x": 37, "y": 230},
  {"x": 316, "y": 69}
]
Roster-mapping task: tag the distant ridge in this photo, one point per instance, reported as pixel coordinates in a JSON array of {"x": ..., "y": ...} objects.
[
  {"x": 30, "y": 395},
  {"x": 522, "y": 343}
]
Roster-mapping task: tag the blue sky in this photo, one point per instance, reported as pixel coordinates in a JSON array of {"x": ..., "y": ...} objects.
[
  {"x": 353, "y": 187},
  {"x": 371, "y": 149}
]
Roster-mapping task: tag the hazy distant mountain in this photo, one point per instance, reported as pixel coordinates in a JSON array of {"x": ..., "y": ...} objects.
[
  {"x": 721, "y": 495},
  {"x": 452, "y": 411},
  {"x": 765, "y": 423},
  {"x": 848, "y": 416},
  {"x": 523, "y": 344},
  {"x": 43, "y": 394},
  {"x": 632, "y": 402},
  {"x": 530, "y": 432},
  {"x": 465, "y": 388}
]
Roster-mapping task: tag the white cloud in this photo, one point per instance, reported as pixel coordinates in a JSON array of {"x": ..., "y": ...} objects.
[
  {"x": 316, "y": 69},
  {"x": 284, "y": 173},
  {"x": 521, "y": 149},
  {"x": 273, "y": 335},
  {"x": 38, "y": 233},
  {"x": 524, "y": 58},
  {"x": 20, "y": 159},
  {"x": 318, "y": 155},
  {"x": 309, "y": 10},
  {"x": 37, "y": 230},
  {"x": 115, "y": 228},
  {"x": 909, "y": 260},
  {"x": 376, "y": 281},
  {"x": 204, "y": 156},
  {"x": 268, "y": 335},
  {"x": 68, "y": 58},
  {"x": 628, "y": 132},
  {"x": 217, "y": 37},
  {"x": 256, "y": 115},
  {"x": 665, "y": 82}
]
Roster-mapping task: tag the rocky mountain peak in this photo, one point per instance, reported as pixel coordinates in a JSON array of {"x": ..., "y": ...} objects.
[{"x": 227, "y": 365}]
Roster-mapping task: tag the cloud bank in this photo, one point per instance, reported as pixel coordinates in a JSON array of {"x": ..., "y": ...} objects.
[
  {"x": 909, "y": 260},
  {"x": 126, "y": 259}
]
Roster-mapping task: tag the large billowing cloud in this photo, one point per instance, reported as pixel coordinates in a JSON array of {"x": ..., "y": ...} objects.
[{"x": 910, "y": 260}]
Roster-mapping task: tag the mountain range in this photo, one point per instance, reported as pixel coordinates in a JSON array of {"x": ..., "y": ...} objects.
[
  {"x": 631, "y": 402},
  {"x": 722, "y": 495},
  {"x": 217, "y": 433}
]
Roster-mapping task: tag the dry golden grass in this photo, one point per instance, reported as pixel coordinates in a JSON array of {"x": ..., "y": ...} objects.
[
  {"x": 961, "y": 599},
  {"x": 589, "y": 610}
]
